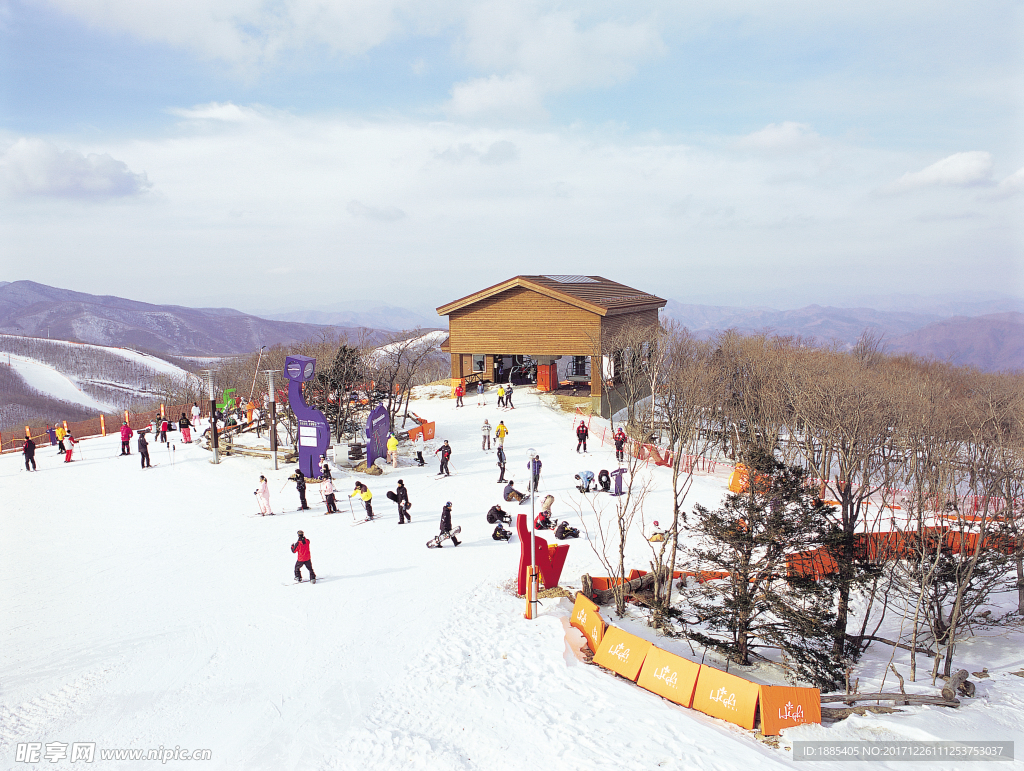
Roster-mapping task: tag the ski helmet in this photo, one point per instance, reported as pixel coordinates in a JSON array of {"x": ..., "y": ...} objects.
[
  {"x": 449, "y": 504},
  {"x": 301, "y": 533}
]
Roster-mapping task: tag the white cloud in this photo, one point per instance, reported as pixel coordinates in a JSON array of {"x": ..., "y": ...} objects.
[
  {"x": 420, "y": 197},
  {"x": 496, "y": 154},
  {"x": 250, "y": 33},
  {"x": 35, "y": 167},
  {"x": 531, "y": 54},
  {"x": 380, "y": 213},
  {"x": 1012, "y": 185},
  {"x": 781, "y": 137},
  {"x": 225, "y": 112},
  {"x": 514, "y": 98},
  {"x": 968, "y": 169}
]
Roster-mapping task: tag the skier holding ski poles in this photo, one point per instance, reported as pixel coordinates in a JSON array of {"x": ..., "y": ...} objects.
[
  {"x": 446, "y": 454},
  {"x": 300, "y": 486},
  {"x": 262, "y": 494}
]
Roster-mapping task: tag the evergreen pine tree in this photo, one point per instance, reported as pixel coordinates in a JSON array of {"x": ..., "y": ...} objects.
[{"x": 758, "y": 604}]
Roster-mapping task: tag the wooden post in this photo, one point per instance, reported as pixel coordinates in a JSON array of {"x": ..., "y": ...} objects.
[{"x": 103, "y": 426}]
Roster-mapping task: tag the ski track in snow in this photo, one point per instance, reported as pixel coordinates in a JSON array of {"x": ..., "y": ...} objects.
[
  {"x": 144, "y": 609},
  {"x": 47, "y": 380}
]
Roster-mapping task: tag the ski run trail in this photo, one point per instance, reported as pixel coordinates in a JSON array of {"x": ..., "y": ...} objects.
[{"x": 147, "y": 609}]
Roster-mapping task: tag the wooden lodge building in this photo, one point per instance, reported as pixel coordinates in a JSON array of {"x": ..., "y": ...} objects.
[{"x": 545, "y": 318}]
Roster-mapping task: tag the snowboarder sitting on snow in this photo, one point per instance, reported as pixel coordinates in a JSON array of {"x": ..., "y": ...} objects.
[
  {"x": 501, "y": 534},
  {"x": 300, "y": 486},
  {"x": 511, "y": 494},
  {"x": 301, "y": 551},
  {"x": 543, "y": 521},
  {"x": 604, "y": 481},
  {"x": 582, "y": 432},
  {"x": 563, "y": 531},
  {"x": 659, "y": 535},
  {"x": 262, "y": 493},
  {"x": 446, "y": 525},
  {"x": 446, "y": 454},
  {"x": 585, "y": 481},
  {"x": 365, "y": 496},
  {"x": 496, "y": 514}
]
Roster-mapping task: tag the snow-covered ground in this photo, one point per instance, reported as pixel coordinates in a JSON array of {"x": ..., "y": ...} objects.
[
  {"x": 151, "y": 609},
  {"x": 66, "y": 386},
  {"x": 45, "y": 379}
]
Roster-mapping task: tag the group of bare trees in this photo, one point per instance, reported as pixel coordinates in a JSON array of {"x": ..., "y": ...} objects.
[
  {"x": 376, "y": 371},
  {"x": 922, "y": 449}
]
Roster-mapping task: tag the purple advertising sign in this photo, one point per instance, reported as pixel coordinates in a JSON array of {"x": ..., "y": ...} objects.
[
  {"x": 314, "y": 433},
  {"x": 378, "y": 426}
]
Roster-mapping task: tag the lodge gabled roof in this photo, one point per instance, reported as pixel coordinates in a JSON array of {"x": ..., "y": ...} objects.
[{"x": 592, "y": 293}]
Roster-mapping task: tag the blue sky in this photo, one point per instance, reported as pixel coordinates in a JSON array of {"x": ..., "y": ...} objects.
[{"x": 740, "y": 153}]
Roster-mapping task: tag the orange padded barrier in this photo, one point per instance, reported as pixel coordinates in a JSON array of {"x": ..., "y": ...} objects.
[
  {"x": 622, "y": 653},
  {"x": 669, "y": 675},
  {"x": 731, "y": 698},
  {"x": 784, "y": 707},
  {"x": 427, "y": 429},
  {"x": 586, "y": 617}
]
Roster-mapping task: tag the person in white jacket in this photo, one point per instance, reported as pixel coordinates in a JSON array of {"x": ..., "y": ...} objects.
[
  {"x": 418, "y": 446},
  {"x": 328, "y": 488},
  {"x": 263, "y": 497}
]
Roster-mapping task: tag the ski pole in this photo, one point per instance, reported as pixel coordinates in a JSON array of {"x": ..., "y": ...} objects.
[{"x": 174, "y": 449}]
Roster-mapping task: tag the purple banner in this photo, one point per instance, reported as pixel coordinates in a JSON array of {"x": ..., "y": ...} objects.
[
  {"x": 314, "y": 433},
  {"x": 378, "y": 426}
]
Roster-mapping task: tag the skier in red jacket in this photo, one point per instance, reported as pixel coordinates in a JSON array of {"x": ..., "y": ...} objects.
[
  {"x": 301, "y": 551},
  {"x": 126, "y": 436}
]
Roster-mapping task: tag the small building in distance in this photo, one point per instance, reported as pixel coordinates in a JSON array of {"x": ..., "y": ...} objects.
[{"x": 528, "y": 323}]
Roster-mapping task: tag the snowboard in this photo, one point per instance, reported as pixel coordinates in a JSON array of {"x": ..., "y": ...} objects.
[
  {"x": 302, "y": 581},
  {"x": 438, "y": 540}
]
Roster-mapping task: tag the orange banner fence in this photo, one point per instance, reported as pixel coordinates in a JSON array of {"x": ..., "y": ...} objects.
[
  {"x": 98, "y": 426},
  {"x": 691, "y": 685}
]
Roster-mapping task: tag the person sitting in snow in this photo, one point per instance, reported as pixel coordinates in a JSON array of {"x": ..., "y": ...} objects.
[
  {"x": 511, "y": 494},
  {"x": 604, "y": 480},
  {"x": 543, "y": 521},
  {"x": 501, "y": 534},
  {"x": 497, "y": 514},
  {"x": 563, "y": 531}
]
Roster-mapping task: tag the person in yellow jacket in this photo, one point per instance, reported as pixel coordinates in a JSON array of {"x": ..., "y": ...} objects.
[
  {"x": 393, "y": 450},
  {"x": 61, "y": 433},
  {"x": 363, "y": 492},
  {"x": 501, "y": 396},
  {"x": 500, "y": 433}
]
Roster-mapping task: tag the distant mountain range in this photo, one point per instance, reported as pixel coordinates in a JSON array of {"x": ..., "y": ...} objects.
[
  {"x": 384, "y": 317},
  {"x": 37, "y": 310},
  {"x": 991, "y": 342}
]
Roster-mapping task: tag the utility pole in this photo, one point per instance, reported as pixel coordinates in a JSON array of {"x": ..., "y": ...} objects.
[{"x": 273, "y": 414}]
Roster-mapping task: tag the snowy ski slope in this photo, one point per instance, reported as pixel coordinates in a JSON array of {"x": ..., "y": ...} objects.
[{"x": 147, "y": 609}]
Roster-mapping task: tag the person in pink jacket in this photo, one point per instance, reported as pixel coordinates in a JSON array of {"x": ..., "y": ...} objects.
[
  {"x": 262, "y": 494},
  {"x": 126, "y": 438}
]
